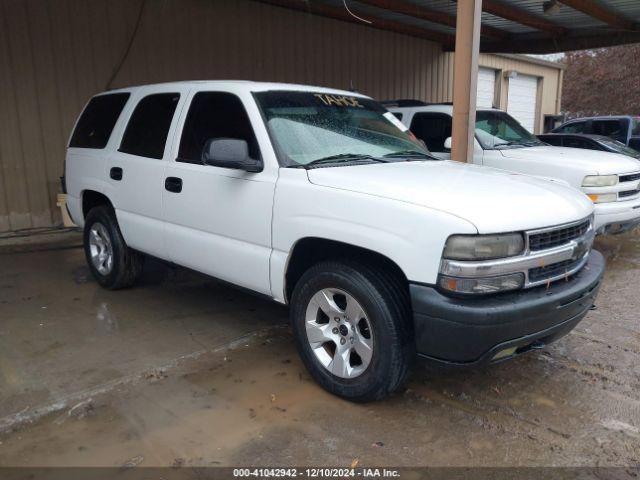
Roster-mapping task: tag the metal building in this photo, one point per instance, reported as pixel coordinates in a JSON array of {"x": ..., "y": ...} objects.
[{"x": 55, "y": 54}]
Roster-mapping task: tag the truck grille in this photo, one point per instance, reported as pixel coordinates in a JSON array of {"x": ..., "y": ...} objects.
[
  {"x": 629, "y": 178},
  {"x": 553, "y": 270},
  {"x": 554, "y": 238},
  {"x": 628, "y": 193}
]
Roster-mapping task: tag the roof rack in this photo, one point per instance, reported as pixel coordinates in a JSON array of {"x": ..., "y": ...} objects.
[{"x": 408, "y": 102}]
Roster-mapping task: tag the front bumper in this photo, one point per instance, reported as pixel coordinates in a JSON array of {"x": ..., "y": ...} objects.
[
  {"x": 617, "y": 217},
  {"x": 472, "y": 331}
]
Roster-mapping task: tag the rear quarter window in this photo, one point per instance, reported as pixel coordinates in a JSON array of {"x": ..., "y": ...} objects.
[{"x": 97, "y": 121}]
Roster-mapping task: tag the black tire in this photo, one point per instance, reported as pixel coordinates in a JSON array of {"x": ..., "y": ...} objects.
[
  {"x": 387, "y": 306},
  {"x": 127, "y": 263}
]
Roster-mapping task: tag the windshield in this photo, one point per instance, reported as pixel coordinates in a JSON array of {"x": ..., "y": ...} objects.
[
  {"x": 495, "y": 130},
  {"x": 311, "y": 127},
  {"x": 619, "y": 147}
]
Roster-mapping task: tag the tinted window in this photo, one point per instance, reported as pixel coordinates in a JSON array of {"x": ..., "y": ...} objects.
[
  {"x": 215, "y": 115},
  {"x": 398, "y": 115},
  {"x": 573, "y": 142},
  {"x": 146, "y": 133},
  {"x": 576, "y": 127},
  {"x": 556, "y": 141},
  {"x": 616, "y": 129},
  {"x": 97, "y": 121},
  {"x": 432, "y": 128}
]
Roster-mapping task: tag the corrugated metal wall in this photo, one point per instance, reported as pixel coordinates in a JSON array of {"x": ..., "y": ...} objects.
[{"x": 55, "y": 54}]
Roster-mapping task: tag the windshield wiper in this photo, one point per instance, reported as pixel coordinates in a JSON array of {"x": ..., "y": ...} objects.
[
  {"x": 343, "y": 158},
  {"x": 409, "y": 154}
]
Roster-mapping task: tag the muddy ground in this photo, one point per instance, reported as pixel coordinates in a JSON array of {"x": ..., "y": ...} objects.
[{"x": 185, "y": 371}]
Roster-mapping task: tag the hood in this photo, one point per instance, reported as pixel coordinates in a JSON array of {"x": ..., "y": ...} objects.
[
  {"x": 493, "y": 200},
  {"x": 593, "y": 162}
]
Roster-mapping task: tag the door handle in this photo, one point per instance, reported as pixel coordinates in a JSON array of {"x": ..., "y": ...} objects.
[
  {"x": 173, "y": 184},
  {"x": 115, "y": 173}
]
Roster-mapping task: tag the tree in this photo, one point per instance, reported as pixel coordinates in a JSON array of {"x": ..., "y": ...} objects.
[{"x": 602, "y": 82}]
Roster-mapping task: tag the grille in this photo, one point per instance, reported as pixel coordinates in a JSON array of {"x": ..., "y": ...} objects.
[
  {"x": 553, "y": 270},
  {"x": 628, "y": 193},
  {"x": 553, "y": 238},
  {"x": 630, "y": 178}
]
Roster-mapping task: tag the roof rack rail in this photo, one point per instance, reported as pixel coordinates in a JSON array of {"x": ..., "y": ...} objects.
[
  {"x": 411, "y": 103},
  {"x": 405, "y": 102}
]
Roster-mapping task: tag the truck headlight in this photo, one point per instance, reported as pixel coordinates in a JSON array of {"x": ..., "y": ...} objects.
[
  {"x": 603, "y": 197},
  {"x": 483, "y": 247},
  {"x": 502, "y": 283},
  {"x": 600, "y": 181}
]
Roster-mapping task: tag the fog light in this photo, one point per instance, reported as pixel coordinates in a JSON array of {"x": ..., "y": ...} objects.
[
  {"x": 507, "y": 352},
  {"x": 481, "y": 285}
]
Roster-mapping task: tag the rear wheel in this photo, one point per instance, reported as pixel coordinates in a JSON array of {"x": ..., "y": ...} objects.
[
  {"x": 113, "y": 264},
  {"x": 353, "y": 329}
]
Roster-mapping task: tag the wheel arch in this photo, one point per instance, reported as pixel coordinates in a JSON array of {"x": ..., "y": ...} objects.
[
  {"x": 308, "y": 251},
  {"x": 92, "y": 199}
]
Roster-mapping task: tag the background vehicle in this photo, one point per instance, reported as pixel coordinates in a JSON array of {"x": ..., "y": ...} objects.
[
  {"x": 589, "y": 142},
  {"x": 321, "y": 199},
  {"x": 611, "y": 181},
  {"x": 623, "y": 128}
]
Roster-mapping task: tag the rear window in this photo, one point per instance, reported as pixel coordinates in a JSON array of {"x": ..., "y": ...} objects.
[
  {"x": 97, "y": 121},
  {"x": 146, "y": 133}
]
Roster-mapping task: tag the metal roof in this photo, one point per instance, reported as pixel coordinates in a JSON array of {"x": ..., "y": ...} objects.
[{"x": 508, "y": 26}]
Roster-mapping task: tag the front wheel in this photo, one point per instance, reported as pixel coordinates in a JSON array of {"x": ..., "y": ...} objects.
[{"x": 353, "y": 329}]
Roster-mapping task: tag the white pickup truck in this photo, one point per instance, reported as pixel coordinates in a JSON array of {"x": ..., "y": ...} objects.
[
  {"x": 611, "y": 180},
  {"x": 320, "y": 199}
]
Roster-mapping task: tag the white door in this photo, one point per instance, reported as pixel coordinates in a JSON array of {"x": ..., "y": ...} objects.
[
  {"x": 486, "y": 88},
  {"x": 521, "y": 100},
  {"x": 136, "y": 167},
  {"x": 218, "y": 220}
]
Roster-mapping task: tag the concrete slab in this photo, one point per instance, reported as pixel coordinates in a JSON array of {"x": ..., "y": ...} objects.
[
  {"x": 171, "y": 398},
  {"x": 63, "y": 337}
]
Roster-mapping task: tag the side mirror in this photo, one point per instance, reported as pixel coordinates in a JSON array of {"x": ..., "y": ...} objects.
[
  {"x": 230, "y": 153},
  {"x": 447, "y": 143}
]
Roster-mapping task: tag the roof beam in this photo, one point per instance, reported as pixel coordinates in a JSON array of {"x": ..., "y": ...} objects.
[
  {"x": 379, "y": 23},
  {"x": 434, "y": 16},
  {"x": 523, "y": 17},
  {"x": 602, "y": 13},
  {"x": 563, "y": 44}
]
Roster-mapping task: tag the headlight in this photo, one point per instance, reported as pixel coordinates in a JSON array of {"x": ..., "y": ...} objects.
[
  {"x": 600, "y": 181},
  {"x": 502, "y": 283},
  {"x": 483, "y": 247},
  {"x": 603, "y": 197}
]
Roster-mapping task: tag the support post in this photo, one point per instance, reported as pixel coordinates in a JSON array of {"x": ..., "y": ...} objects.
[{"x": 465, "y": 79}]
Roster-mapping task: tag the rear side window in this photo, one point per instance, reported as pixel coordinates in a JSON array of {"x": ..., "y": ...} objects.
[
  {"x": 576, "y": 127},
  {"x": 146, "y": 133},
  {"x": 215, "y": 115},
  {"x": 433, "y": 129},
  {"x": 97, "y": 121}
]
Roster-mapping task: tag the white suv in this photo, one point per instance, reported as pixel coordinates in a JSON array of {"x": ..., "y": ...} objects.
[
  {"x": 612, "y": 181},
  {"x": 322, "y": 200}
]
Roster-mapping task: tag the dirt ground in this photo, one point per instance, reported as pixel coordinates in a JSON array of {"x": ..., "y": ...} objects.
[{"x": 185, "y": 371}]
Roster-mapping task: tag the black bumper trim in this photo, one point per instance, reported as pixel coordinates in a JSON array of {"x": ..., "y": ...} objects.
[{"x": 471, "y": 331}]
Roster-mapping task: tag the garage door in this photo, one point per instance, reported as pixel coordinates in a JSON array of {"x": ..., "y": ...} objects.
[
  {"x": 521, "y": 100},
  {"x": 486, "y": 88}
]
